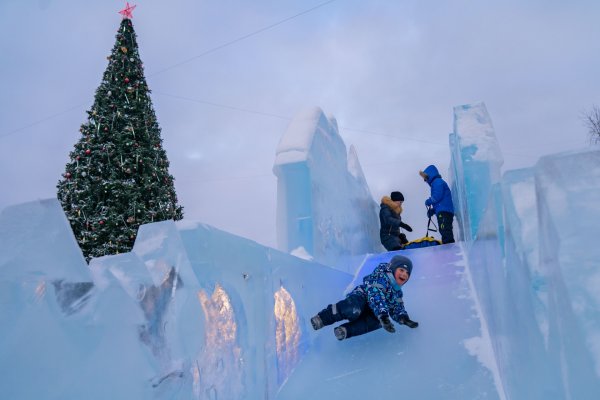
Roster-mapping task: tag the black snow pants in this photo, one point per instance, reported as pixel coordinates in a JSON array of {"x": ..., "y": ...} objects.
[
  {"x": 445, "y": 225},
  {"x": 354, "y": 308}
]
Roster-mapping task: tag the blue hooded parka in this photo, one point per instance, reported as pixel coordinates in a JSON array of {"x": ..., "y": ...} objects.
[{"x": 441, "y": 197}]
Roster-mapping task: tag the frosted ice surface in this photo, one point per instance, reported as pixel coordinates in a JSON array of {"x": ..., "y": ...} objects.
[
  {"x": 267, "y": 299},
  {"x": 477, "y": 136},
  {"x": 568, "y": 192},
  {"x": 30, "y": 234}
]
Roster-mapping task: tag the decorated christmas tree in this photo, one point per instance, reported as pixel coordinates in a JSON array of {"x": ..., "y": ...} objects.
[{"x": 117, "y": 178}]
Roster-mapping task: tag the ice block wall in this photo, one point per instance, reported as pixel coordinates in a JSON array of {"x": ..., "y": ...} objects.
[
  {"x": 530, "y": 240},
  {"x": 191, "y": 313},
  {"x": 568, "y": 195},
  {"x": 475, "y": 166}
]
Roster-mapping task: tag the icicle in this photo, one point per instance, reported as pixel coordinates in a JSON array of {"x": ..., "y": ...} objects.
[{"x": 126, "y": 98}]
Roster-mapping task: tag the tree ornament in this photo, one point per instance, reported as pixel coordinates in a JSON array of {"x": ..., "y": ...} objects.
[
  {"x": 87, "y": 151},
  {"x": 124, "y": 49},
  {"x": 126, "y": 80},
  {"x": 84, "y": 174},
  {"x": 68, "y": 175}
]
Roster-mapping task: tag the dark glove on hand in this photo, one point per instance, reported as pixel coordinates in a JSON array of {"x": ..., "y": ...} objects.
[
  {"x": 407, "y": 321},
  {"x": 403, "y": 239},
  {"x": 430, "y": 212},
  {"x": 386, "y": 323},
  {"x": 407, "y": 227}
]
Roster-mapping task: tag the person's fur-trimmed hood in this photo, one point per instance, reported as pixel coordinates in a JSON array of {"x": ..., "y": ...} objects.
[{"x": 386, "y": 200}]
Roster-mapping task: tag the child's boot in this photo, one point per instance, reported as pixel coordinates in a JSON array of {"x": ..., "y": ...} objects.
[
  {"x": 317, "y": 322},
  {"x": 340, "y": 332}
]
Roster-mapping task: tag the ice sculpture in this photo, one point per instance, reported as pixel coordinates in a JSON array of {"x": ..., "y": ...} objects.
[
  {"x": 197, "y": 313},
  {"x": 323, "y": 201},
  {"x": 475, "y": 167}
]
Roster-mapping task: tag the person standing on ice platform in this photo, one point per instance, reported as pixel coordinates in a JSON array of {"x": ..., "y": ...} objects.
[
  {"x": 391, "y": 221},
  {"x": 369, "y": 306},
  {"x": 439, "y": 202}
]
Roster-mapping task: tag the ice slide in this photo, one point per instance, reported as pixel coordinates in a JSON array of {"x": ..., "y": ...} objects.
[{"x": 447, "y": 357}]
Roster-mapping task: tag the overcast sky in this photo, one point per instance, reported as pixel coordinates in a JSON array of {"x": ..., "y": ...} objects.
[{"x": 228, "y": 75}]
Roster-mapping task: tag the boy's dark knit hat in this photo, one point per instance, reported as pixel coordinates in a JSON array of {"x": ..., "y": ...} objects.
[
  {"x": 397, "y": 196},
  {"x": 401, "y": 262}
]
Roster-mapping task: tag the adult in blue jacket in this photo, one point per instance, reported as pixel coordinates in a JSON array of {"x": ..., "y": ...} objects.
[
  {"x": 439, "y": 202},
  {"x": 370, "y": 305}
]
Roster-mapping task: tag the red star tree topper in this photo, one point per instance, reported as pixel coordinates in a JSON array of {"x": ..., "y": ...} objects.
[{"x": 127, "y": 11}]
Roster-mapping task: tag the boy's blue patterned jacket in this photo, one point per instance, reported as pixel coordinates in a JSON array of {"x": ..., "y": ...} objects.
[{"x": 383, "y": 294}]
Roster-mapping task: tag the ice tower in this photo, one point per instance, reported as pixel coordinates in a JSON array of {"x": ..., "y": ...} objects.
[
  {"x": 476, "y": 162},
  {"x": 323, "y": 201}
]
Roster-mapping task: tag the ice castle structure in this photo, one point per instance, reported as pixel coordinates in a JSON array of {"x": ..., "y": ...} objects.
[
  {"x": 193, "y": 312},
  {"x": 324, "y": 205}
]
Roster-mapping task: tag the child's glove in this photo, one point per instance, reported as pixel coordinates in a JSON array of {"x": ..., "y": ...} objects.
[
  {"x": 386, "y": 323},
  {"x": 405, "y": 320}
]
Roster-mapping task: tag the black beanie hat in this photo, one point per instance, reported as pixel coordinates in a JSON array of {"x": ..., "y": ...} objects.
[
  {"x": 401, "y": 262},
  {"x": 397, "y": 196}
]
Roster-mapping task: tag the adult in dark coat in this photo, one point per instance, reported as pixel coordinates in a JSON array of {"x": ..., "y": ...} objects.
[{"x": 391, "y": 222}]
